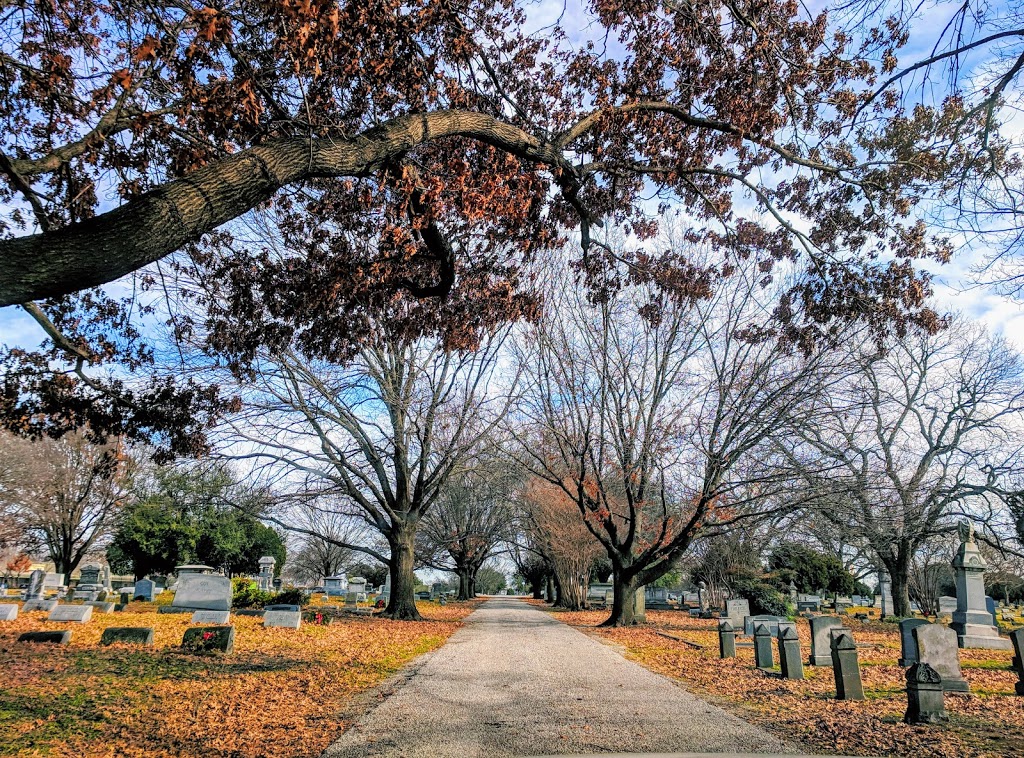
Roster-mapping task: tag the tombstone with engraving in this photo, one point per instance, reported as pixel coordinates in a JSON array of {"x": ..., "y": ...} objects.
[
  {"x": 336, "y": 586},
  {"x": 266, "y": 578},
  {"x": 201, "y": 592},
  {"x": 736, "y": 610},
  {"x": 937, "y": 646},
  {"x": 972, "y": 621},
  {"x": 35, "y": 585},
  {"x": 821, "y": 639},
  {"x": 885, "y": 603},
  {"x": 144, "y": 590},
  {"x": 357, "y": 584}
]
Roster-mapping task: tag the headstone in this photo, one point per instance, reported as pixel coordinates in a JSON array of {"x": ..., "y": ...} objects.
[
  {"x": 35, "y": 584},
  {"x": 972, "y": 621},
  {"x": 924, "y": 696},
  {"x": 1017, "y": 638},
  {"x": 789, "y": 653},
  {"x": 211, "y": 617},
  {"x": 947, "y": 605},
  {"x": 936, "y": 646},
  {"x": 287, "y": 619},
  {"x": 908, "y": 644},
  {"x": 772, "y": 622},
  {"x": 209, "y": 639},
  {"x": 101, "y": 606},
  {"x": 56, "y": 638},
  {"x": 39, "y": 604},
  {"x": 283, "y": 607},
  {"x": 807, "y": 606},
  {"x": 84, "y": 595},
  {"x": 763, "y": 647},
  {"x": 76, "y": 613},
  {"x": 8, "y": 612},
  {"x": 132, "y": 635},
  {"x": 990, "y": 604},
  {"x": 105, "y": 579},
  {"x": 90, "y": 575},
  {"x": 335, "y": 585},
  {"x": 885, "y": 592},
  {"x": 144, "y": 590},
  {"x": 846, "y": 668},
  {"x": 266, "y": 577},
  {"x": 357, "y": 584},
  {"x": 736, "y": 610},
  {"x": 726, "y": 639},
  {"x": 206, "y": 592},
  {"x": 52, "y": 580},
  {"x": 821, "y": 639}
]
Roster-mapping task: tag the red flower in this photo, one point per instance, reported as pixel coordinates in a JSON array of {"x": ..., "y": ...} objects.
[{"x": 207, "y": 635}]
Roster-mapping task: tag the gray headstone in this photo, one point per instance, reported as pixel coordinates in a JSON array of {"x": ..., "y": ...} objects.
[
  {"x": 772, "y": 622},
  {"x": 990, "y": 604},
  {"x": 789, "y": 653},
  {"x": 90, "y": 575},
  {"x": 908, "y": 644},
  {"x": 763, "y": 647},
  {"x": 936, "y": 646},
  {"x": 821, "y": 639},
  {"x": 76, "y": 613},
  {"x": 287, "y": 619},
  {"x": 846, "y": 668},
  {"x": 206, "y": 639},
  {"x": 102, "y": 606},
  {"x": 1017, "y": 638},
  {"x": 211, "y": 617},
  {"x": 8, "y": 612},
  {"x": 973, "y": 620},
  {"x": 35, "y": 584},
  {"x": 203, "y": 592},
  {"x": 144, "y": 590},
  {"x": 39, "y": 604},
  {"x": 56, "y": 638},
  {"x": 283, "y": 607},
  {"x": 924, "y": 696},
  {"x": 736, "y": 610},
  {"x": 726, "y": 639},
  {"x": 133, "y": 635}
]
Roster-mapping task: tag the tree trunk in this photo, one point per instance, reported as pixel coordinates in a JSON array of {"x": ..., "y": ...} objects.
[
  {"x": 465, "y": 591},
  {"x": 551, "y": 589},
  {"x": 538, "y": 590},
  {"x": 402, "y": 602},
  {"x": 899, "y": 575},
  {"x": 628, "y": 608}
]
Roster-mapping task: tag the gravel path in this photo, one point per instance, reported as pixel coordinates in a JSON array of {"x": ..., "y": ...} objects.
[{"x": 516, "y": 682}]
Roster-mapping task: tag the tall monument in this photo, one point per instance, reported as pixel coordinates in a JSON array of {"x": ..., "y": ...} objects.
[{"x": 972, "y": 621}]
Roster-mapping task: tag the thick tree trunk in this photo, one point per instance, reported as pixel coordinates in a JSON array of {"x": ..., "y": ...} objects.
[
  {"x": 402, "y": 602},
  {"x": 464, "y": 585},
  {"x": 538, "y": 590},
  {"x": 628, "y": 608},
  {"x": 899, "y": 574}
]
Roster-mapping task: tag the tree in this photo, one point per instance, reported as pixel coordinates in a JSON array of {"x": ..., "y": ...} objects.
[
  {"x": 193, "y": 514},
  {"x": 490, "y": 580},
  {"x": 461, "y": 143},
  {"x": 377, "y": 439},
  {"x": 659, "y": 428},
  {"x": 323, "y": 548},
  {"x": 923, "y": 433},
  {"x": 809, "y": 569},
  {"x": 65, "y": 493}
]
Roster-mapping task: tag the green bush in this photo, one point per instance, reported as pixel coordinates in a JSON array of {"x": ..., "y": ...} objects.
[
  {"x": 245, "y": 593},
  {"x": 764, "y": 599},
  {"x": 293, "y": 596}
]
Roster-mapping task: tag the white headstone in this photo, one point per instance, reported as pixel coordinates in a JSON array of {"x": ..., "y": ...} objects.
[
  {"x": 76, "y": 613},
  {"x": 288, "y": 619},
  {"x": 206, "y": 592},
  {"x": 211, "y": 617},
  {"x": 8, "y": 612}
]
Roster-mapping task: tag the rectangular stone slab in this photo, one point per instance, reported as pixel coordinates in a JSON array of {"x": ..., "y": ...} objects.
[
  {"x": 937, "y": 646},
  {"x": 133, "y": 635},
  {"x": 8, "y": 612},
  {"x": 821, "y": 639},
  {"x": 74, "y": 613},
  {"x": 203, "y": 592},
  {"x": 39, "y": 605},
  {"x": 287, "y": 619},
  {"x": 102, "y": 606},
  {"x": 211, "y": 617},
  {"x": 56, "y": 638}
]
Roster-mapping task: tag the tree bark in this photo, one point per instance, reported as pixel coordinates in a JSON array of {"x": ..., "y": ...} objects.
[
  {"x": 464, "y": 588},
  {"x": 628, "y": 608},
  {"x": 899, "y": 575},
  {"x": 402, "y": 602}
]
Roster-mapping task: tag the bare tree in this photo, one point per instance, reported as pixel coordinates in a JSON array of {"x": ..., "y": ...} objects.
[
  {"x": 381, "y": 436},
  {"x": 325, "y": 546},
  {"x": 64, "y": 494},
  {"x": 926, "y": 431}
]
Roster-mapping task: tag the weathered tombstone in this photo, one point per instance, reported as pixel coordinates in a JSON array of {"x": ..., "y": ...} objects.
[
  {"x": 287, "y": 619},
  {"x": 807, "y": 606},
  {"x": 772, "y": 622},
  {"x": 35, "y": 584},
  {"x": 924, "y": 696},
  {"x": 908, "y": 644},
  {"x": 8, "y": 612},
  {"x": 357, "y": 584},
  {"x": 936, "y": 646},
  {"x": 144, "y": 590},
  {"x": 205, "y": 592},
  {"x": 211, "y": 617},
  {"x": 56, "y": 638},
  {"x": 763, "y": 647},
  {"x": 990, "y": 605},
  {"x": 39, "y": 604},
  {"x": 726, "y": 639},
  {"x": 1017, "y": 638},
  {"x": 209, "y": 639},
  {"x": 266, "y": 578},
  {"x": 846, "y": 668},
  {"x": 105, "y": 579},
  {"x": 789, "y": 653},
  {"x": 53, "y": 581},
  {"x": 821, "y": 639},
  {"x": 885, "y": 592},
  {"x": 335, "y": 585},
  {"x": 132, "y": 635},
  {"x": 90, "y": 575},
  {"x": 947, "y": 605},
  {"x": 101, "y": 606},
  {"x": 84, "y": 595},
  {"x": 736, "y": 610},
  {"x": 79, "y": 614},
  {"x": 125, "y": 598},
  {"x": 972, "y": 621}
]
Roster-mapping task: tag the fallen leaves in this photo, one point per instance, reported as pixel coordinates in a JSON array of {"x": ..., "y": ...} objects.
[{"x": 280, "y": 694}]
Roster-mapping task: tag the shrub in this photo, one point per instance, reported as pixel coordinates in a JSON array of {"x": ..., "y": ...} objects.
[
  {"x": 245, "y": 593},
  {"x": 764, "y": 599},
  {"x": 293, "y": 596}
]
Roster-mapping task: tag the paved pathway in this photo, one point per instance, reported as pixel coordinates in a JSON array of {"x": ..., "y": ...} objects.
[{"x": 516, "y": 682}]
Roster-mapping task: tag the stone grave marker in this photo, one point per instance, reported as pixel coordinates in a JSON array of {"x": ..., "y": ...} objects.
[
  {"x": 924, "y": 696},
  {"x": 286, "y": 619},
  {"x": 79, "y": 614},
  {"x": 846, "y": 668},
  {"x": 821, "y": 639},
  {"x": 35, "y": 584},
  {"x": 947, "y": 605},
  {"x": 132, "y": 635},
  {"x": 726, "y": 639},
  {"x": 907, "y": 642},
  {"x": 789, "y": 653},
  {"x": 56, "y": 638},
  {"x": 763, "y": 647},
  {"x": 144, "y": 590},
  {"x": 990, "y": 605},
  {"x": 973, "y": 622},
  {"x": 209, "y": 639},
  {"x": 101, "y": 606},
  {"x": 8, "y": 612},
  {"x": 772, "y": 622},
  {"x": 936, "y": 646},
  {"x": 90, "y": 575},
  {"x": 736, "y": 610},
  {"x": 39, "y": 604},
  {"x": 211, "y": 617},
  {"x": 283, "y": 607},
  {"x": 205, "y": 592},
  {"x": 1017, "y": 638}
]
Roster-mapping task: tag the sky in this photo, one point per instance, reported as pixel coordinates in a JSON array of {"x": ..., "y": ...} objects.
[{"x": 953, "y": 284}]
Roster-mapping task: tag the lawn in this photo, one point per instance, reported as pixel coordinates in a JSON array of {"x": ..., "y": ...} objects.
[
  {"x": 283, "y": 692},
  {"x": 988, "y": 722}
]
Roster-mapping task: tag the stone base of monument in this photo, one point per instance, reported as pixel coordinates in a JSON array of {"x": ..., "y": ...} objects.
[{"x": 984, "y": 636}]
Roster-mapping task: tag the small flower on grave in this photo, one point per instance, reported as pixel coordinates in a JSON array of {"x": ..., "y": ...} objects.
[{"x": 207, "y": 636}]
